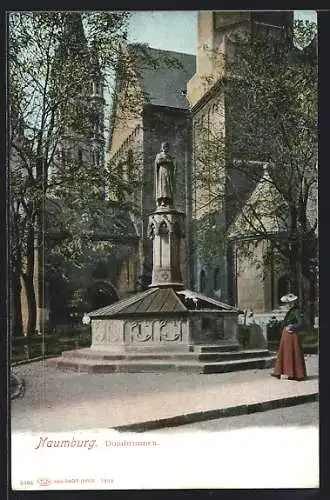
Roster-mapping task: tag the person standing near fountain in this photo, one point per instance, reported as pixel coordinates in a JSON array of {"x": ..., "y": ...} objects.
[
  {"x": 164, "y": 177},
  {"x": 290, "y": 357}
]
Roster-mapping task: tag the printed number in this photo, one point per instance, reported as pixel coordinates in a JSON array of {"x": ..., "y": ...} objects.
[{"x": 26, "y": 483}]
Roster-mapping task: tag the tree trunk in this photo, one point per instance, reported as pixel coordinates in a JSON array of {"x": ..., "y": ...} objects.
[
  {"x": 31, "y": 303},
  {"x": 16, "y": 305},
  {"x": 28, "y": 279}
]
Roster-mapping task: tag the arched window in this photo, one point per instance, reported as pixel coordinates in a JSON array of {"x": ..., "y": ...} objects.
[
  {"x": 97, "y": 157},
  {"x": 69, "y": 157},
  {"x": 202, "y": 281},
  {"x": 163, "y": 229},
  {"x": 101, "y": 293},
  {"x": 100, "y": 270},
  {"x": 96, "y": 88}
]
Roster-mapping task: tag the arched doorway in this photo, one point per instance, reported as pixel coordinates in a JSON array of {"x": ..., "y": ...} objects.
[
  {"x": 284, "y": 286},
  {"x": 101, "y": 294}
]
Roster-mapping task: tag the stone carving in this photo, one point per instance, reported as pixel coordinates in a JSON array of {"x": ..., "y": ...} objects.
[
  {"x": 163, "y": 228},
  {"x": 140, "y": 332},
  {"x": 151, "y": 228},
  {"x": 107, "y": 332},
  {"x": 165, "y": 224},
  {"x": 114, "y": 331},
  {"x": 170, "y": 331},
  {"x": 164, "y": 177},
  {"x": 99, "y": 332}
]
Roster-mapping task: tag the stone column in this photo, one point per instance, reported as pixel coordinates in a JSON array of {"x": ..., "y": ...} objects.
[{"x": 166, "y": 229}]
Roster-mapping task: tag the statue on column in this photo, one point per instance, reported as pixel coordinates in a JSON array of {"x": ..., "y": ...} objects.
[{"x": 164, "y": 177}]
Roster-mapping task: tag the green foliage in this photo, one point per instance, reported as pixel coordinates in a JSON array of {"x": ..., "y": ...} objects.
[
  {"x": 209, "y": 238},
  {"x": 71, "y": 227},
  {"x": 63, "y": 339},
  {"x": 55, "y": 63},
  {"x": 271, "y": 118}
]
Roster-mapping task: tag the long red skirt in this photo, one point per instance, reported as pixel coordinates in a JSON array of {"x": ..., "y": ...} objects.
[{"x": 290, "y": 357}]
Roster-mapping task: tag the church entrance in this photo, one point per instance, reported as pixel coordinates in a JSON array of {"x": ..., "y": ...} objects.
[{"x": 101, "y": 294}]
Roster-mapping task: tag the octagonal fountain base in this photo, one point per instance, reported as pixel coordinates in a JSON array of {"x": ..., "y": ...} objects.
[{"x": 164, "y": 329}]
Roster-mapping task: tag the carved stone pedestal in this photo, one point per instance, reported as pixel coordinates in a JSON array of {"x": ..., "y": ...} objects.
[{"x": 166, "y": 229}]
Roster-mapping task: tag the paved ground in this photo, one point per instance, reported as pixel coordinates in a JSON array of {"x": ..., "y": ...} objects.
[
  {"x": 293, "y": 416},
  {"x": 61, "y": 401}
]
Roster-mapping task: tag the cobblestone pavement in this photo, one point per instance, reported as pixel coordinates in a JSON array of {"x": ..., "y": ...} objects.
[
  {"x": 299, "y": 415},
  {"x": 62, "y": 400}
]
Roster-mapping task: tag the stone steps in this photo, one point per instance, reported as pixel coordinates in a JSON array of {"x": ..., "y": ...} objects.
[
  {"x": 100, "y": 362},
  {"x": 215, "y": 348},
  {"x": 91, "y": 354}
]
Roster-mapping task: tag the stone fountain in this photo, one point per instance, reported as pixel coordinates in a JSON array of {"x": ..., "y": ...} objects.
[{"x": 167, "y": 327}]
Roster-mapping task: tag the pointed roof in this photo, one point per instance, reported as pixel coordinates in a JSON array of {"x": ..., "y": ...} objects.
[
  {"x": 259, "y": 207},
  {"x": 73, "y": 44},
  {"x": 73, "y": 32},
  {"x": 263, "y": 205},
  {"x": 159, "y": 301}
]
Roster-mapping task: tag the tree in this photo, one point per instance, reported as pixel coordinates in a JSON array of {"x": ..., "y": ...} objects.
[
  {"x": 47, "y": 71},
  {"x": 270, "y": 87},
  {"x": 56, "y": 61}
]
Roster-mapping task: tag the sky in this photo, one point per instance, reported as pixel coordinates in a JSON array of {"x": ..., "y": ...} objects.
[{"x": 176, "y": 30}]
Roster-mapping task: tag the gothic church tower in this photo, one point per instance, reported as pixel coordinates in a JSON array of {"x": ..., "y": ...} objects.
[{"x": 82, "y": 141}]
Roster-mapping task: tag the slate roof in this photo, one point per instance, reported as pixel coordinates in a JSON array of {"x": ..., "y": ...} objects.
[
  {"x": 164, "y": 74},
  {"x": 204, "y": 302},
  {"x": 158, "y": 301}
]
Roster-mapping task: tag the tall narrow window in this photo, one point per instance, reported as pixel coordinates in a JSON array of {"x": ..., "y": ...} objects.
[
  {"x": 80, "y": 156},
  {"x": 216, "y": 281},
  {"x": 120, "y": 173},
  {"x": 201, "y": 123},
  {"x": 62, "y": 158},
  {"x": 127, "y": 271},
  {"x": 202, "y": 281},
  {"x": 69, "y": 157},
  {"x": 97, "y": 158},
  {"x": 208, "y": 124},
  {"x": 283, "y": 287}
]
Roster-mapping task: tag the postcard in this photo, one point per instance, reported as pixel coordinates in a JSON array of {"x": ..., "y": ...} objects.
[{"x": 163, "y": 249}]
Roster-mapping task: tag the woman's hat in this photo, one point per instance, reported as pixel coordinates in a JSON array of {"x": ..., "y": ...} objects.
[{"x": 288, "y": 298}]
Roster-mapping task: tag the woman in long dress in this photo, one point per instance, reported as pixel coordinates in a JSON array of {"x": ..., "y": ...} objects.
[{"x": 290, "y": 357}]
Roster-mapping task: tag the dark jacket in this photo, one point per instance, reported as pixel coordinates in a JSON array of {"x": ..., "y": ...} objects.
[{"x": 295, "y": 318}]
